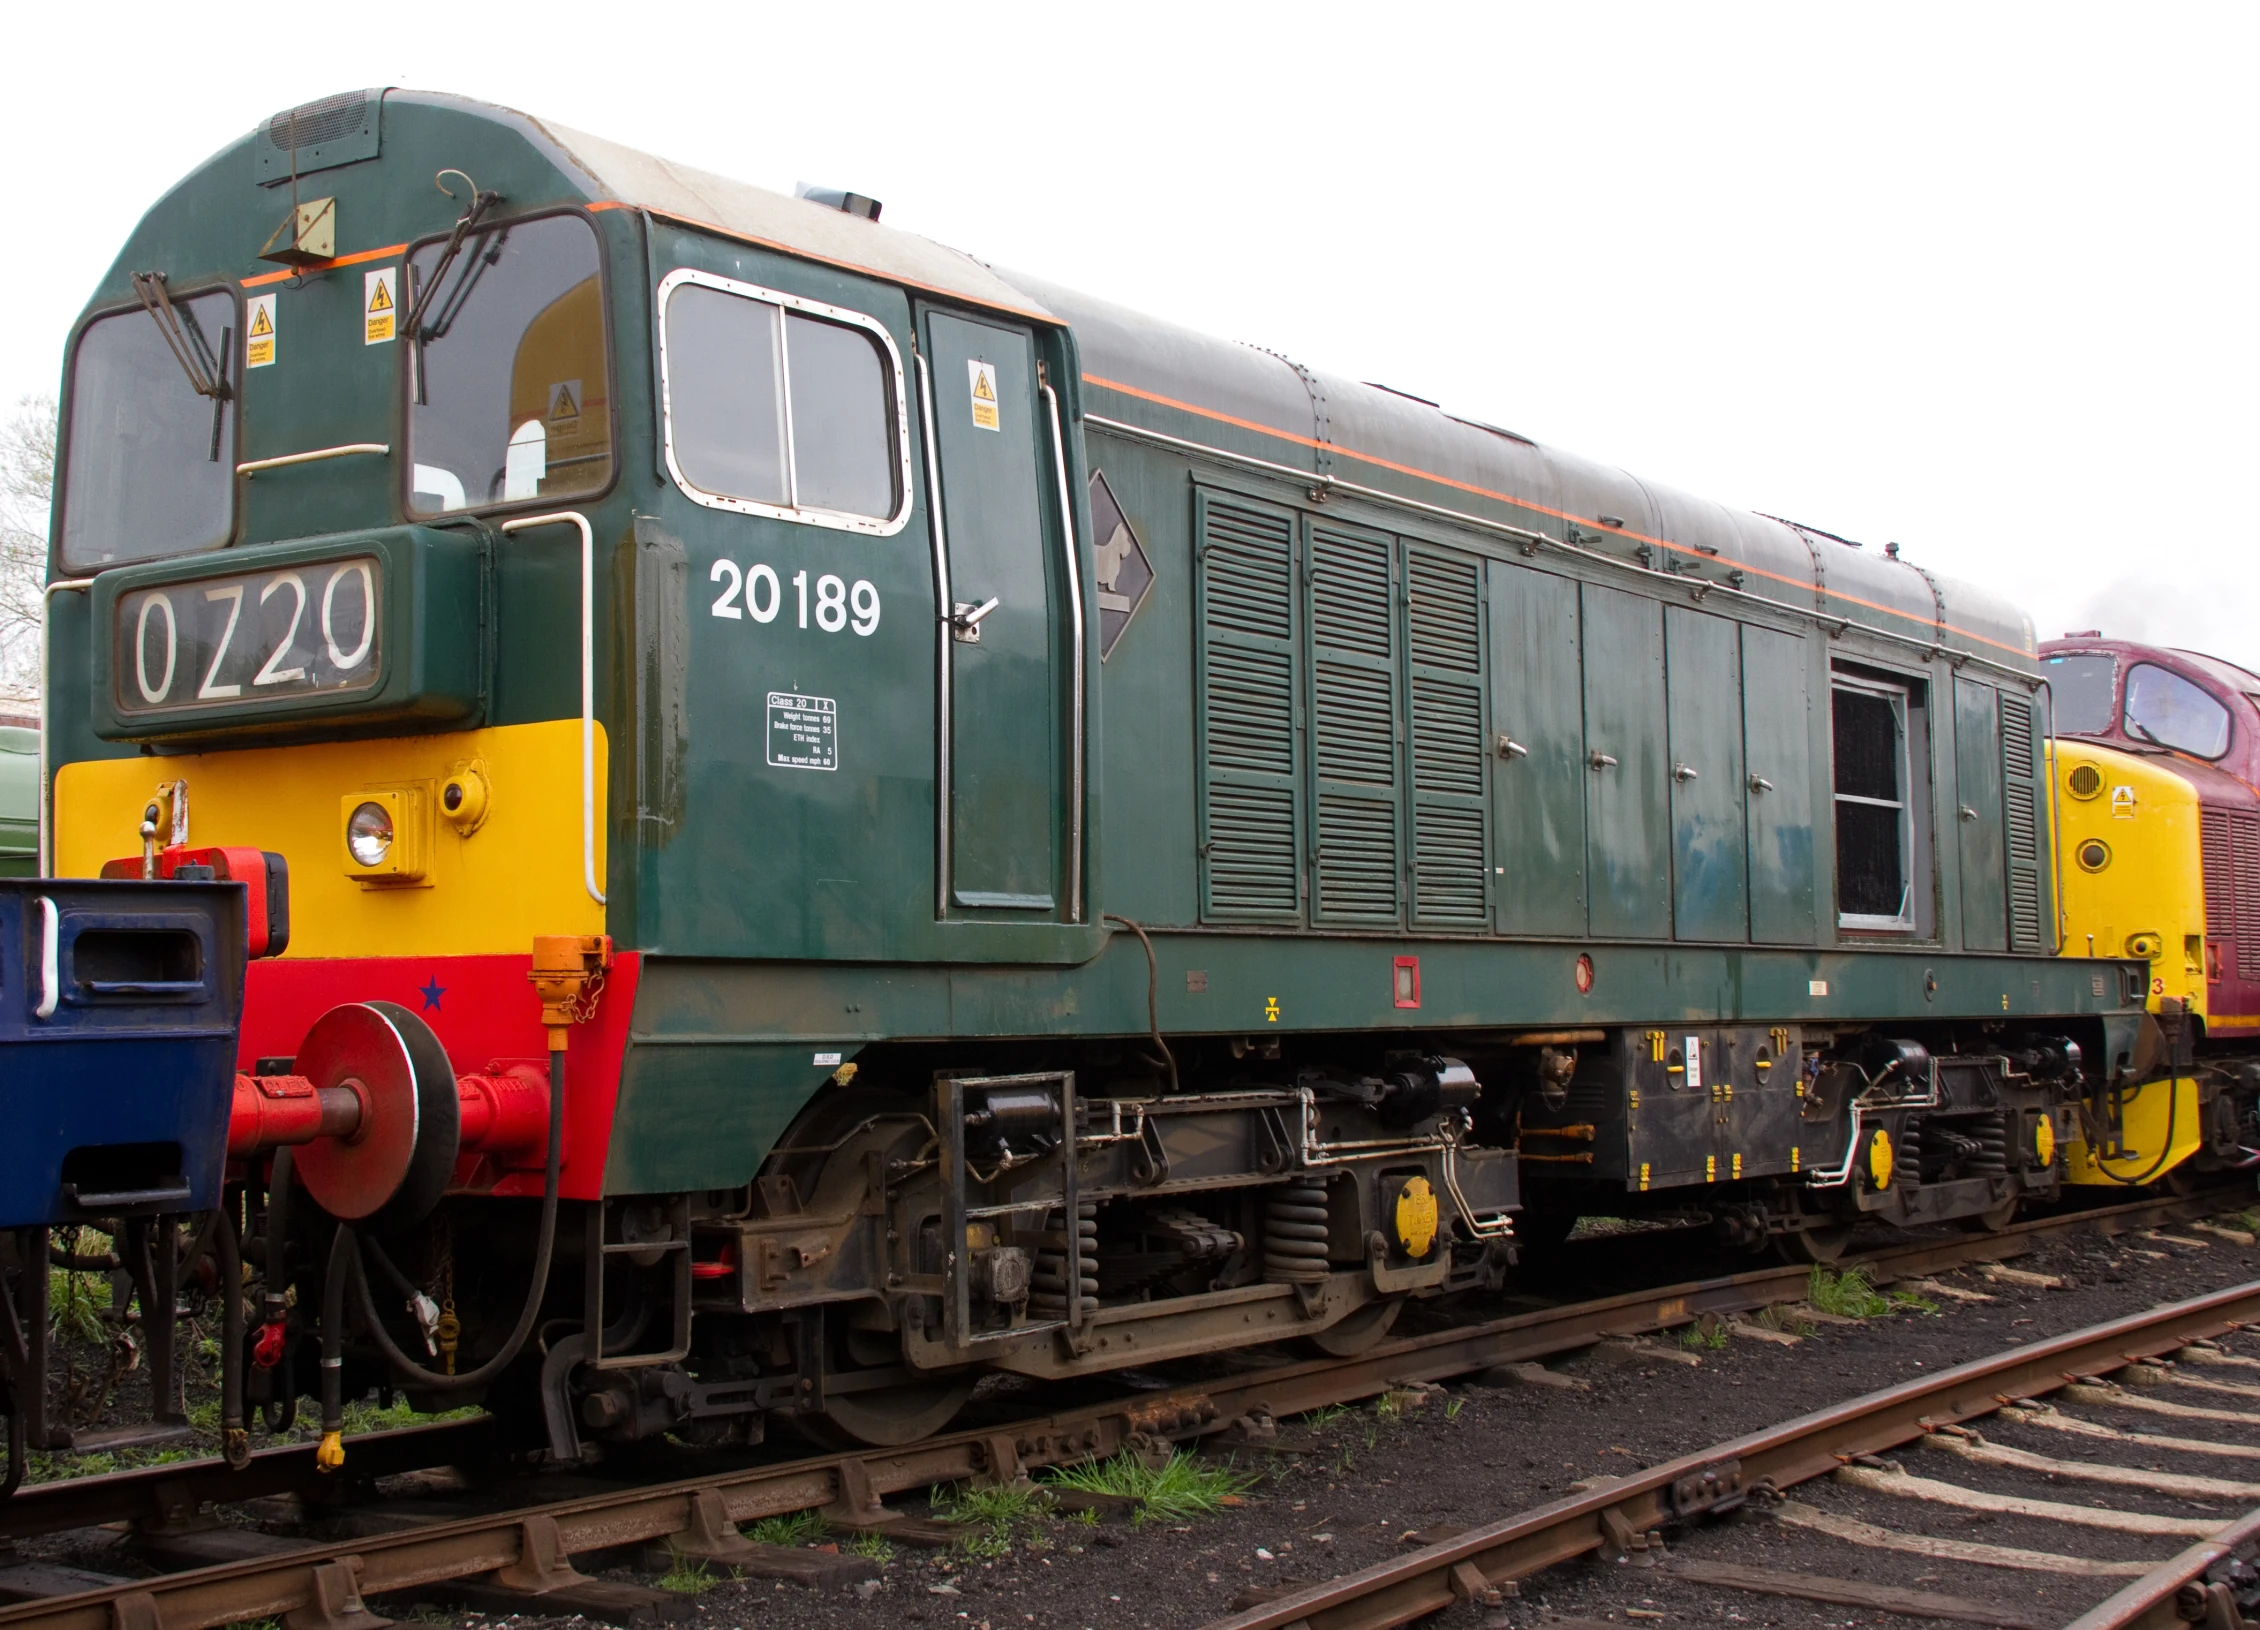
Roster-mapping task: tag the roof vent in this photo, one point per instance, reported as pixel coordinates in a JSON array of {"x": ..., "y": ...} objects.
[
  {"x": 320, "y": 135},
  {"x": 847, "y": 203}
]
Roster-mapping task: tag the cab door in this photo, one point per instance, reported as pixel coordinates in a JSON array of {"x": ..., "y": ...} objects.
[{"x": 1002, "y": 572}]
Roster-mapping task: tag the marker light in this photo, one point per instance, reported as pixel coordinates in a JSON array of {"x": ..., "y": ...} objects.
[{"x": 368, "y": 834}]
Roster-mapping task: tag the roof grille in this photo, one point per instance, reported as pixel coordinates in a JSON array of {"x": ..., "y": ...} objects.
[{"x": 329, "y": 131}]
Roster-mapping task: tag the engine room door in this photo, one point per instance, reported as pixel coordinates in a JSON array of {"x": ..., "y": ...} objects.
[
  {"x": 1628, "y": 819},
  {"x": 1977, "y": 790},
  {"x": 1001, "y": 751},
  {"x": 1710, "y": 835}
]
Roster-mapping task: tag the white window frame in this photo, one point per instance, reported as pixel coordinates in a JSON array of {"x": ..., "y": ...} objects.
[
  {"x": 835, "y": 519},
  {"x": 1904, "y": 921}
]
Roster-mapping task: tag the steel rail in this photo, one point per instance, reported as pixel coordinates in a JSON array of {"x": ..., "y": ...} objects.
[
  {"x": 2156, "y": 1601},
  {"x": 310, "y": 1581},
  {"x": 1617, "y": 1516}
]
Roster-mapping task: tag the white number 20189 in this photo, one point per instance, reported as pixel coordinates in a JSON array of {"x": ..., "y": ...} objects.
[{"x": 756, "y": 592}]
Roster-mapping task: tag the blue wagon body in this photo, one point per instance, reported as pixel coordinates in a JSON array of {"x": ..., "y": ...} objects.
[{"x": 118, "y": 1010}]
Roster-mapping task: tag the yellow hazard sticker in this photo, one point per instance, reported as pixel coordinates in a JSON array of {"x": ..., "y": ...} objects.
[
  {"x": 565, "y": 404},
  {"x": 380, "y": 304},
  {"x": 259, "y": 332},
  {"x": 983, "y": 376},
  {"x": 1271, "y": 1010}
]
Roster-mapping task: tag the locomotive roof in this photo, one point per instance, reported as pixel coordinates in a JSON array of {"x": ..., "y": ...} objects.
[
  {"x": 1162, "y": 378},
  {"x": 1260, "y": 406}
]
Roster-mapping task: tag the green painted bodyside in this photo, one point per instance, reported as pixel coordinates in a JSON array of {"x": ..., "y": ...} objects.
[
  {"x": 1294, "y": 770},
  {"x": 19, "y": 802}
]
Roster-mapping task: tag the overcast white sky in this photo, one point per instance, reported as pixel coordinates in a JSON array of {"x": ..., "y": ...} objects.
[{"x": 1975, "y": 278}]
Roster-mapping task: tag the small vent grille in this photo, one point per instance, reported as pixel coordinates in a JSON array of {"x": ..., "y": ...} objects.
[
  {"x": 1250, "y": 845},
  {"x": 1251, "y": 711},
  {"x": 1446, "y": 628},
  {"x": 2220, "y": 882},
  {"x": 1249, "y": 571},
  {"x": 1447, "y": 738},
  {"x": 1357, "y": 861},
  {"x": 1444, "y": 635},
  {"x": 1350, "y": 594},
  {"x": 1448, "y": 866},
  {"x": 1356, "y": 738},
  {"x": 2244, "y": 831},
  {"x": 310, "y": 124},
  {"x": 1251, "y": 853},
  {"x": 2019, "y": 792},
  {"x": 329, "y": 131}
]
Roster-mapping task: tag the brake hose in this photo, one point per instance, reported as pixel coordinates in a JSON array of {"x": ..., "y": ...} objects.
[{"x": 405, "y": 1366}]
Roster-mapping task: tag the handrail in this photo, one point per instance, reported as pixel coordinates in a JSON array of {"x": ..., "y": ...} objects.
[
  {"x": 943, "y": 849},
  {"x": 1075, "y": 658},
  {"x": 573, "y": 517},
  {"x": 253, "y": 466},
  {"x": 50, "y": 969},
  {"x": 46, "y": 699}
]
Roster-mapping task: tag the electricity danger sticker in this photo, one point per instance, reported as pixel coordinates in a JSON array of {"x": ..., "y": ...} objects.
[
  {"x": 380, "y": 304},
  {"x": 803, "y": 731},
  {"x": 984, "y": 377},
  {"x": 259, "y": 332}
]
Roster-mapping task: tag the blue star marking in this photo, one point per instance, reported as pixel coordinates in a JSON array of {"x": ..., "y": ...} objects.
[{"x": 431, "y": 993}]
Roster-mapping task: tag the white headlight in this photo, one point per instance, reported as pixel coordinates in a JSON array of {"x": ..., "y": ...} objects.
[{"x": 368, "y": 834}]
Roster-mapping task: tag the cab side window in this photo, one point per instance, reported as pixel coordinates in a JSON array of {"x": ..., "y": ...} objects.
[{"x": 776, "y": 406}]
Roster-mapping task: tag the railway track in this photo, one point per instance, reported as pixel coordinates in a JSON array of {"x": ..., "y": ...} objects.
[
  {"x": 1625, "y": 1518},
  {"x": 528, "y": 1550}
]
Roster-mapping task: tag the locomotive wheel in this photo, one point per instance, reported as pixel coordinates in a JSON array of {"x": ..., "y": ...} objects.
[
  {"x": 888, "y": 1417},
  {"x": 2000, "y": 1217},
  {"x": 1808, "y": 1245},
  {"x": 1346, "y": 1338}
]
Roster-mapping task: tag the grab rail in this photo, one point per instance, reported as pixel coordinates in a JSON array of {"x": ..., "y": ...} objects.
[{"x": 574, "y": 518}]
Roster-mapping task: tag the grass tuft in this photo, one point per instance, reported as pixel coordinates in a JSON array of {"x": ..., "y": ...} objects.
[
  {"x": 1848, "y": 1295},
  {"x": 793, "y": 1528},
  {"x": 876, "y": 1546},
  {"x": 1185, "y": 1486},
  {"x": 687, "y": 1578}
]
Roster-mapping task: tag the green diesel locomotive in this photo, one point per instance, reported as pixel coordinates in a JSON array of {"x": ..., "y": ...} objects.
[{"x": 1043, "y": 841}]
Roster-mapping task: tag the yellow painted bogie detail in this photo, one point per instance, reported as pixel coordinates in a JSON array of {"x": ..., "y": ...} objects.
[
  {"x": 1416, "y": 1216},
  {"x": 2145, "y": 1114},
  {"x": 1880, "y": 1158},
  {"x": 482, "y": 891}
]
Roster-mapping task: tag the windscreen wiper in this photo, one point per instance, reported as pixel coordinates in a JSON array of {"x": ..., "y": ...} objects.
[
  {"x": 418, "y": 334},
  {"x": 207, "y": 374}
]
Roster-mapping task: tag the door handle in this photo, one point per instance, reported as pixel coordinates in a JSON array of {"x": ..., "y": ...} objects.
[
  {"x": 1685, "y": 772},
  {"x": 1968, "y": 814},
  {"x": 1600, "y": 760},
  {"x": 965, "y": 620},
  {"x": 1759, "y": 783},
  {"x": 1511, "y": 748}
]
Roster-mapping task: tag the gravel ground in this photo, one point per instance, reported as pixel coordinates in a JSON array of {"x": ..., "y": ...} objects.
[
  {"x": 1334, "y": 1495},
  {"x": 1341, "y": 1494}
]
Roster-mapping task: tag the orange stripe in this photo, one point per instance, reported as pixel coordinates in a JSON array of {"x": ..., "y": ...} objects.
[
  {"x": 326, "y": 265},
  {"x": 1558, "y": 514}
]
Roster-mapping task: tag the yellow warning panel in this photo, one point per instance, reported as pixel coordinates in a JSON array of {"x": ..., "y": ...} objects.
[
  {"x": 259, "y": 332},
  {"x": 984, "y": 385},
  {"x": 380, "y": 304}
]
